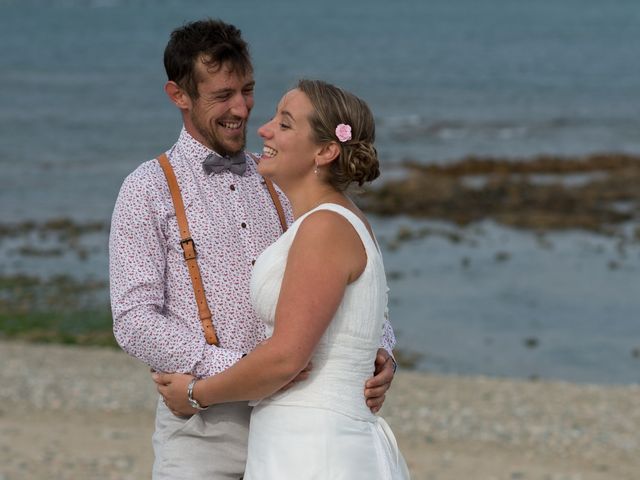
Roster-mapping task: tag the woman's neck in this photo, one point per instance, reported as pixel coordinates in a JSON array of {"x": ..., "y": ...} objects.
[{"x": 307, "y": 197}]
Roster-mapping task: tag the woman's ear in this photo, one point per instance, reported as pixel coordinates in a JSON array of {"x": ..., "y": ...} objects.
[
  {"x": 177, "y": 95},
  {"x": 327, "y": 154}
]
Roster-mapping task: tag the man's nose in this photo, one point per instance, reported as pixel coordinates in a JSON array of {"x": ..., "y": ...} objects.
[{"x": 240, "y": 106}]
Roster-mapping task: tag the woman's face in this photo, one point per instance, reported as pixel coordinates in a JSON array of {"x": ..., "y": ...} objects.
[{"x": 289, "y": 151}]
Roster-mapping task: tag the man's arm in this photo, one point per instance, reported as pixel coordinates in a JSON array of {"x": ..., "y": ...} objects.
[
  {"x": 137, "y": 265},
  {"x": 385, "y": 367},
  {"x": 388, "y": 339}
]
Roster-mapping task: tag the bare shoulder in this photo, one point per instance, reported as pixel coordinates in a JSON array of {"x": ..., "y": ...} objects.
[
  {"x": 331, "y": 239},
  {"x": 335, "y": 224},
  {"x": 326, "y": 224}
]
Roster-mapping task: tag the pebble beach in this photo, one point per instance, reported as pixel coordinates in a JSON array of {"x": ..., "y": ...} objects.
[{"x": 70, "y": 412}]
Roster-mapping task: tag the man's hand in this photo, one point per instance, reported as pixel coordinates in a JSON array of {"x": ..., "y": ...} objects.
[
  {"x": 173, "y": 388},
  {"x": 376, "y": 387}
]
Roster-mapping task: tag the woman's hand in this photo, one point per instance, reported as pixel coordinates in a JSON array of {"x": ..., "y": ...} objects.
[{"x": 173, "y": 388}]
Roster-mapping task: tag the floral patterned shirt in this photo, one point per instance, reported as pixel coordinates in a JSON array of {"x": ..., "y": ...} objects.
[{"x": 232, "y": 219}]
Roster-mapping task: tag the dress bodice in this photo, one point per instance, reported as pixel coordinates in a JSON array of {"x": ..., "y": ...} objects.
[{"x": 344, "y": 357}]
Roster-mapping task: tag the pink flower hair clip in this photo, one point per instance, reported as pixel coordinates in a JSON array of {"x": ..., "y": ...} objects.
[{"x": 343, "y": 132}]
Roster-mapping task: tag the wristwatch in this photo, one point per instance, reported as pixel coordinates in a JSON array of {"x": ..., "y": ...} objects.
[{"x": 192, "y": 401}]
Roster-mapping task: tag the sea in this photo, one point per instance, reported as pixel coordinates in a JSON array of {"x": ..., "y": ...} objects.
[{"x": 82, "y": 104}]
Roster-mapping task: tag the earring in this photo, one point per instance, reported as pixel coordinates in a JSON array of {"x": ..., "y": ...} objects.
[{"x": 315, "y": 170}]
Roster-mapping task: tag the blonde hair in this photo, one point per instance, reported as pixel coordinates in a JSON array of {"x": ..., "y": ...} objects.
[{"x": 358, "y": 159}]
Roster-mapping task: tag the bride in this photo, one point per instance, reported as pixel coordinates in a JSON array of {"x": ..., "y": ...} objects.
[{"x": 321, "y": 292}]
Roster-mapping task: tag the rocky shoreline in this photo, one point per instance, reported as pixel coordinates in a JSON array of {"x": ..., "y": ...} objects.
[
  {"x": 71, "y": 412},
  {"x": 594, "y": 193}
]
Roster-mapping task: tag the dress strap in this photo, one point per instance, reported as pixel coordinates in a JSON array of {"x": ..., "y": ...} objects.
[{"x": 363, "y": 232}]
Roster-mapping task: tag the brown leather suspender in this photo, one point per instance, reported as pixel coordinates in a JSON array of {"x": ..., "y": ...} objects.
[
  {"x": 189, "y": 246},
  {"x": 189, "y": 250},
  {"x": 274, "y": 198}
]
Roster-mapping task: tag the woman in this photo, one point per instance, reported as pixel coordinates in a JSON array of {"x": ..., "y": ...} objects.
[{"x": 321, "y": 291}]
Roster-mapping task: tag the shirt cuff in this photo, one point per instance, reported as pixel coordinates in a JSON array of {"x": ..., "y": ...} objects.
[{"x": 216, "y": 360}]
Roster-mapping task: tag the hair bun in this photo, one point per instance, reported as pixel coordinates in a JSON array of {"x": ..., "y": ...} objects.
[
  {"x": 343, "y": 118},
  {"x": 361, "y": 159}
]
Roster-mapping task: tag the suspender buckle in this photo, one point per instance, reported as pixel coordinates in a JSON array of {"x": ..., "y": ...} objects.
[{"x": 188, "y": 248}]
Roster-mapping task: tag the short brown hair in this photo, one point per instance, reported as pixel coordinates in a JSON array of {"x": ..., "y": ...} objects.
[{"x": 216, "y": 42}]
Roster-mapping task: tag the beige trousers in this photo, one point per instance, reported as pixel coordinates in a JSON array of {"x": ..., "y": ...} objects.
[{"x": 211, "y": 444}]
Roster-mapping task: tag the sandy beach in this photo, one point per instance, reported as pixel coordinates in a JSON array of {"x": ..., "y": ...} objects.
[{"x": 87, "y": 412}]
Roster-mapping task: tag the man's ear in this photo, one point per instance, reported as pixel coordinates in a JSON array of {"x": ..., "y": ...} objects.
[
  {"x": 327, "y": 154},
  {"x": 177, "y": 95}
]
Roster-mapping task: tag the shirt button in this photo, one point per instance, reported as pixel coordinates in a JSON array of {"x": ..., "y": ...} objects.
[
  {"x": 233, "y": 187},
  {"x": 243, "y": 225}
]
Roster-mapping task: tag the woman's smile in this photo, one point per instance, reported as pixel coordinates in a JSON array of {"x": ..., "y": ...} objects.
[{"x": 269, "y": 152}]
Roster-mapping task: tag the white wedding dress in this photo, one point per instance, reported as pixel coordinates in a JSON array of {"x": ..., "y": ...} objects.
[{"x": 321, "y": 428}]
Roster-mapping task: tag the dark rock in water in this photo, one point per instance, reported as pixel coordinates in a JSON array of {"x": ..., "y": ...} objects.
[
  {"x": 613, "y": 265},
  {"x": 404, "y": 234},
  {"x": 64, "y": 227},
  {"x": 545, "y": 193},
  {"x": 502, "y": 256},
  {"x": 394, "y": 275},
  {"x": 407, "y": 359},
  {"x": 635, "y": 353},
  {"x": 32, "y": 251},
  {"x": 531, "y": 342}
]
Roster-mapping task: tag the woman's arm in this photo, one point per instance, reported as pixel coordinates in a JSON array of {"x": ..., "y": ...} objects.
[{"x": 325, "y": 256}]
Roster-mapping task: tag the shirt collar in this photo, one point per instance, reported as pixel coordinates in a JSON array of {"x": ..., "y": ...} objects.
[
  {"x": 192, "y": 148},
  {"x": 195, "y": 152}
]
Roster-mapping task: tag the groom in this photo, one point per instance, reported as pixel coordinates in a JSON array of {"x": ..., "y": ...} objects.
[{"x": 232, "y": 220}]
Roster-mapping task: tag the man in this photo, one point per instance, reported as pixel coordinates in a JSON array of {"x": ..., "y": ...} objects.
[{"x": 232, "y": 220}]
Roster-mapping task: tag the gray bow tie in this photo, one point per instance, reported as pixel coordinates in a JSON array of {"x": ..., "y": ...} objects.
[{"x": 214, "y": 163}]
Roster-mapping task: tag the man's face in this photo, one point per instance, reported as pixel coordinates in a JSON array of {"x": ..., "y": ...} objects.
[{"x": 220, "y": 114}]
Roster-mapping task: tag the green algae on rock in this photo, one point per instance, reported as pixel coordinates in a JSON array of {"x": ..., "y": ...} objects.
[{"x": 594, "y": 193}]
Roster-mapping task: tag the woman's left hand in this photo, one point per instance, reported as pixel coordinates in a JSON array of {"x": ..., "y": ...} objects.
[{"x": 173, "y": 388}]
